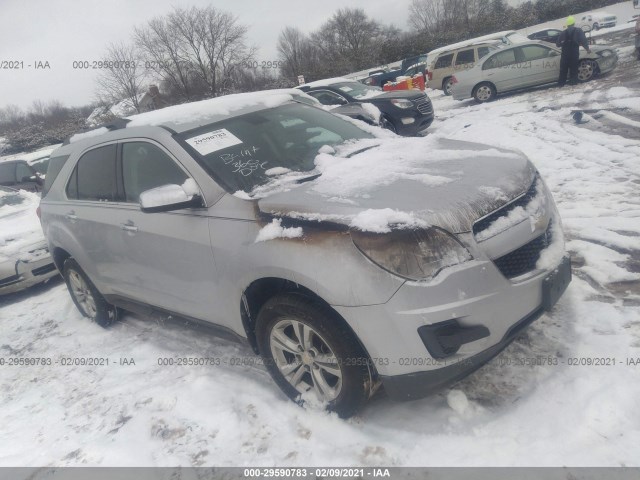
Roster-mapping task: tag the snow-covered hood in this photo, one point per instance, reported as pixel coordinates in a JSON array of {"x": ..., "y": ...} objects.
[{"x": 406, "y": 182}]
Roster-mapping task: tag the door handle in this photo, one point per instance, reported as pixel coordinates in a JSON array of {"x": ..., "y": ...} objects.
[
  {"x": 71, "y": 216},
  {"x": 128, "y": 227}
]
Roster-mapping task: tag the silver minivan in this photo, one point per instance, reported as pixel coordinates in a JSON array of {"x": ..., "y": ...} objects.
[{"x": 212, "y": 211}]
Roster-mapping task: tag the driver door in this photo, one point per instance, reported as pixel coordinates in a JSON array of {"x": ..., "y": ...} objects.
[{"x": 166, "y": 258}]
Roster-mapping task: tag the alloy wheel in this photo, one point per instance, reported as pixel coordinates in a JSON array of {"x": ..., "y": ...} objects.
[
  {"x": 305, "y": 359},
  {"x": 586, "y": 69},
  {"x": 82, "y": 293}
]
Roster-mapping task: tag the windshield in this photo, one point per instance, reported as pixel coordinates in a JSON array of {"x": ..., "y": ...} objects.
[
  {"x": 358, "y": 90},
  {"x": 10, "y": 197},
  {"x": 516, "y": 37},
  {"x": 246, "y": 151}
]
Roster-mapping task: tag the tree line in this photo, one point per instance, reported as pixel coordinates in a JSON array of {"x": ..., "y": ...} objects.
[{"x": 203, "y": 52}]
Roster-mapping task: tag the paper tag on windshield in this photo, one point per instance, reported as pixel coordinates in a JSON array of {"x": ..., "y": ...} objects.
[{"x": 213, "y": 141}]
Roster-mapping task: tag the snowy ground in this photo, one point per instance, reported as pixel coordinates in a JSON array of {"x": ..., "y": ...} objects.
[{"x": 508, "y": 413}]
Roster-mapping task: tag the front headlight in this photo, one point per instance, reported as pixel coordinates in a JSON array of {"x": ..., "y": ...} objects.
[
  {"x": 606, "y": 53},
  {"x": 411, "y": 254},
  {"x": 402, "y": 103}
]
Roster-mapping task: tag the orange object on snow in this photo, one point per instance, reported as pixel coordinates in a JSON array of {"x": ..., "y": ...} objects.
[{"x": 413, "y": 83}]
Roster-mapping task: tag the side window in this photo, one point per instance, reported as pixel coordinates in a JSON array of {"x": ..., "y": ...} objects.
[
  {"x": 534, "y": 52},
  {"x": 146, "y": 166},
  {"x": 328, "y": 98},
  {"x": 94, "y": 177},
  {"x": 444, "y": 61},
  {"x": 482, "y": 51},
  {"x": 53, "y": 169},
  {"x": 500, "y": 59},
  {"x": 23, "y": 172},
  {"x": 7, "y": 173},
  {"x": 465, "y": 57}
]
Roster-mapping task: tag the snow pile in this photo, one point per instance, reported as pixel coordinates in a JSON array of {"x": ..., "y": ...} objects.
[
  {"x": 372, "y": 110},
  {"x": 275, "y": 230},
  {"x": 20, "y": 229},
  {"x": 531, "y": 212}
]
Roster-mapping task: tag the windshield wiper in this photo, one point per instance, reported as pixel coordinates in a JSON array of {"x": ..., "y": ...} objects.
[
  {"x": 361, "y": 150},
  {"x": 308, "y": 179}
]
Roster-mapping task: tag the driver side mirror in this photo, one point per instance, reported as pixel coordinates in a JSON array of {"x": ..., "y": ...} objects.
[
  {"x": 553, "y": 53},
  {"x": 168, "y": 198}
]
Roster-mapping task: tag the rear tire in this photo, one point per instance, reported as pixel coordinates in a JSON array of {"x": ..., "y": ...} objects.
[
  {"x": 484, "y": 92},
  {"x": 86, "y": 297},
  {"x": 447, "y": 83},
  {"x": 308, "y": 350}
]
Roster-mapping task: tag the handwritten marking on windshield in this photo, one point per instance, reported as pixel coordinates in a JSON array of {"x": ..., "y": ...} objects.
[{"x": 242, "y": 162}]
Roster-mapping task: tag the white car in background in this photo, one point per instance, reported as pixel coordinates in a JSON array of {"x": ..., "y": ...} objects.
[
  {"x": 597, "y": 20},
  {"x": 24, "y": 255}
]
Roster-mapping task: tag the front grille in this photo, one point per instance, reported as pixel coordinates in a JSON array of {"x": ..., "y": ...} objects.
[
  {"x": 423, "y": 104},
  {"x": 524, "y": 259},
  {"x": 522, "y": 201}
]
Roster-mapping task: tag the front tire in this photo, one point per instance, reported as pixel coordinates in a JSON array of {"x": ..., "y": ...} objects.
[
  {"x": 309, "y": 351},
  {"x": 484, "y": 92},
  {"x": 387, "y": 124},
  {"x": 587, "y": 70},
  {"x": 86, "y": 297}
]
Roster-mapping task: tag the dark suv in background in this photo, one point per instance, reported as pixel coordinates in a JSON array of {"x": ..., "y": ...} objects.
[{"x": 405, "y": 112}]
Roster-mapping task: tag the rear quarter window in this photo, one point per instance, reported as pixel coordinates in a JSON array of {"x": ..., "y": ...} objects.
[
  {"x": 53, "y": 169},
  {"x": 94, "y": 177},
  {"x": 444, "y": 61}
]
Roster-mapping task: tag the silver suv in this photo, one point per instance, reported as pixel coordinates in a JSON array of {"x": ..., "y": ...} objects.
[{"x": 211, "y": 212}]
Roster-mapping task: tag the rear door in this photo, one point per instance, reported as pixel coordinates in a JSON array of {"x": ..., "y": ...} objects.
[{"x": 89, "y": 215}]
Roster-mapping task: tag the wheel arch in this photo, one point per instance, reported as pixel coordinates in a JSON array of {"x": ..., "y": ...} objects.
[{"x": 259, "y": 291}]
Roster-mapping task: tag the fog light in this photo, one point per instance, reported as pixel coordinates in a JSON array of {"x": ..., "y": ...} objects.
[{"x": 407, "y": 120}]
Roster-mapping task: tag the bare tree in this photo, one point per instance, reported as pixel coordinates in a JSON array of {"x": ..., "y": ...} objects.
[
  {"x": 122, "y": 78},
  {"x": 162, "y": 49},
  {"x": 214, "y": 42}
]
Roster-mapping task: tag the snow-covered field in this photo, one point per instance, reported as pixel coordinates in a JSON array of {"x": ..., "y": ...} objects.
[{"x": 559, "y": 409}]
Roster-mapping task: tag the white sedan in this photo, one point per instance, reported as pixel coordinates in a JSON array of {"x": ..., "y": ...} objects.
[
  {"x": 24, "y": 256},
  {"x": 525, "y": 65}
]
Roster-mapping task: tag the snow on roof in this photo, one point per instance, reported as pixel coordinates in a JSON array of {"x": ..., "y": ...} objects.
[
  {"x": 472, "y": 41},
  {"x": 326, "y": 82},
  {"x": 91, "y": 133},
  {"x": 215, "y": 108}
]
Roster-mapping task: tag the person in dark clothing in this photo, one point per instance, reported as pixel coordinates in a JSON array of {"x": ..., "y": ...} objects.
[{"x": 570, "y": 41}]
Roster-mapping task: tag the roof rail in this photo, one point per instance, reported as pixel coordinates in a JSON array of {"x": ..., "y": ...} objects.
[{"x": 115, "y": 124}]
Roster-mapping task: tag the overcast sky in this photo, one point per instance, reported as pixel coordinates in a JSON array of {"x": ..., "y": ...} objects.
[{"x": 63, "y": 31}]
